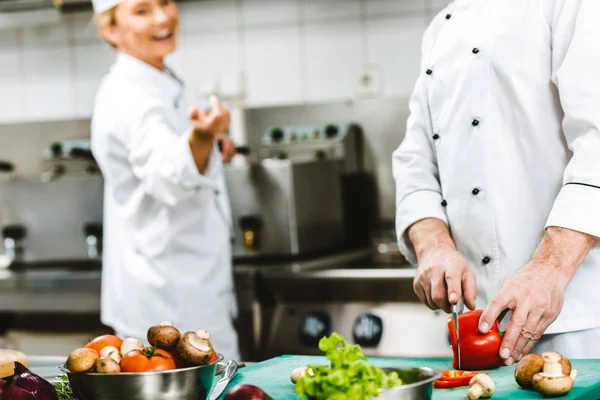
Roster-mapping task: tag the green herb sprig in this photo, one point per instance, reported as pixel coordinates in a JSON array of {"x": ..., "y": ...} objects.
[{"x": 63, "y": 388}]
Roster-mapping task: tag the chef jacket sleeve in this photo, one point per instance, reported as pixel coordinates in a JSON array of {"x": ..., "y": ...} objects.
[
  {"x": 162, "y": 159},
  {"x": 418, "y": 190},
  {"x": 576, "y": 74}
]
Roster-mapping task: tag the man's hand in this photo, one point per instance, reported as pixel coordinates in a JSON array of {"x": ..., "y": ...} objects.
[
  {"x": 536, "y": 293},
  {"x": 443, "y": 275}
]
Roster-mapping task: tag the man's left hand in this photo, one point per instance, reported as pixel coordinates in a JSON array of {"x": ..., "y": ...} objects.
[{"x": 535, "y": 295}]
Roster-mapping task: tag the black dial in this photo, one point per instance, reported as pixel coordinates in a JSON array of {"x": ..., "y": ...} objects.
[
  {"x": 56, "y": 149},
  {"x": 331, "y": 131},
  {"x": 313, "y": 327},
  {"x": 367, "y": 330},
  {"x": 277, "y": 135}
]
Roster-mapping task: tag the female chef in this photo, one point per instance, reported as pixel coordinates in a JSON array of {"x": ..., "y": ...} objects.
[{"x": 167, "y": 253}]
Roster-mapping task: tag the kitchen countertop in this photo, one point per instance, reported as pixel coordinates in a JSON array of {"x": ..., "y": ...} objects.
[
  {"x": 273, "y": 376},
  {"x": 77, "y": 290}
]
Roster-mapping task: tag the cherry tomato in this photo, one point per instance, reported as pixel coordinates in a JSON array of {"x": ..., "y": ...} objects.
[
  {"x": 149, "y": 359},
  {"x": 103, "y": 341}
]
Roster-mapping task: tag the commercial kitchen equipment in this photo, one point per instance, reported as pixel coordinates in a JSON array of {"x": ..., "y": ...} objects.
[
  {"x": 369, "y": 305},
  {"x": 53, "y": 215},
  {"x": 306, "y": 194}
]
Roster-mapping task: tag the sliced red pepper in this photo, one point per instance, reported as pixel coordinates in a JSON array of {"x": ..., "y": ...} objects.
[
  {"x": 477, "y": 350},
  {"x": 448, "y": 384},
  {"x": 454, "y": 378}
]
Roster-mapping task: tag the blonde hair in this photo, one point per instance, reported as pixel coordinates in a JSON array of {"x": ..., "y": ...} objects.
[{"x": 105, "y": 18}]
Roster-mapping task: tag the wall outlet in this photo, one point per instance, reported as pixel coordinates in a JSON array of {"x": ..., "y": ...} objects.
[{"x": 370, "y": 81}]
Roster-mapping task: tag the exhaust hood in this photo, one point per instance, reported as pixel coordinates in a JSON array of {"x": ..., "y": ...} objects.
[
  {"x": 63, "y": 6},
  {"x": 10, "y": 6}
]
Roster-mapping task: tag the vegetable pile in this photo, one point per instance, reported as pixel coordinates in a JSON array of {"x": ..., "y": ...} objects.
[
  {"x": 25, "y": 385},
  {"x": 348, "y": 377},
  {"x": 169, "y": 349}
]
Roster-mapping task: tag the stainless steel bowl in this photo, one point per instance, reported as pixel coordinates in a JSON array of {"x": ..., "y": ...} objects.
[
  {"x": 192, "y": 383},
  {"x": 418, "y": 384}
]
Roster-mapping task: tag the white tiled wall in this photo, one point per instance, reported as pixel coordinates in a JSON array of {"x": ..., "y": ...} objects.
[{"x": 276, "y": 51}]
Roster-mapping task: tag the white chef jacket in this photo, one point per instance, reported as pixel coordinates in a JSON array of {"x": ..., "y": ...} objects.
[
  {"x": 167, "y": 249},
  {"x": 502, "y": 139}
]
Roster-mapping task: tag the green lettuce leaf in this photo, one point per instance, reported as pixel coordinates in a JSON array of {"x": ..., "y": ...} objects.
[{"x": 348, "y": 377}]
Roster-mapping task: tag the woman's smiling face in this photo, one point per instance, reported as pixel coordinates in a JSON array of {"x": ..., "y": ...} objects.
[{"x": 145, "y": 29}]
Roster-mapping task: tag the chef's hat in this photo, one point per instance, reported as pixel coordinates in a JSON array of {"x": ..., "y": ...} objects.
[{"x": 104, "y": 5}]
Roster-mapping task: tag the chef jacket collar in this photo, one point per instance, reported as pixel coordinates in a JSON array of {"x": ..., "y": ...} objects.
[{"x": 164, "y": 82}]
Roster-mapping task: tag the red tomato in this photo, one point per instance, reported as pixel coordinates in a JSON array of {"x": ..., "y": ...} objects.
[
  {"x": 454, "y": 378},
  {"x": 214, "y": 356},
  {"x": 103, "y": 341},
  {"x": 149, "y": 359}
]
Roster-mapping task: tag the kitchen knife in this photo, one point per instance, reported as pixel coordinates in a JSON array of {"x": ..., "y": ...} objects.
[
  {"x": 228, "y": 373},
  {"x": 457, "y": 309}
]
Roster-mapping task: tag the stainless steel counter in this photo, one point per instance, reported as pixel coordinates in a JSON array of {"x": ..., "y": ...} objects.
[{"x": 67, "y": 289}]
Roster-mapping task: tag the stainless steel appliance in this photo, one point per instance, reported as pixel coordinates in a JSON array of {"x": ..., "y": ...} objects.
[
  {"x": 50, "y": 201},
  {"x": 373, "y": 307},
  {"x": 284, "y": 208},
  {"x": 295, "y": 197}
]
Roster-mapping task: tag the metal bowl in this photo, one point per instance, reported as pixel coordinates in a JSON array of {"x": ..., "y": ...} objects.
[
  {"x": 194, "y": 383},
  {"x": 418, "y": 384}
]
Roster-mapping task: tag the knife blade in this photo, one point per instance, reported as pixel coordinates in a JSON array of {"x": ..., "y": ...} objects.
[
  {"x": 457, "y": 309},
  {"x": 228, "y": 373}
]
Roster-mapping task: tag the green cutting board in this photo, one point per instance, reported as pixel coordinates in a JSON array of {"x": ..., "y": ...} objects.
[{"x": 273, "y": 376}]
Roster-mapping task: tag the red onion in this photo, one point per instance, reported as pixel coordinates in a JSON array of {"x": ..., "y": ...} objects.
[
  {"x": 10, "y": 391},
  {"x": 34, "y": 384},
  {"x": 246, "y": 392},
  {"x": 2, "y": 383}
]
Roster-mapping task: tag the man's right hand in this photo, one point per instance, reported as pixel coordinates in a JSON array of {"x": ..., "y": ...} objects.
[{"x": 443, "y": 277}]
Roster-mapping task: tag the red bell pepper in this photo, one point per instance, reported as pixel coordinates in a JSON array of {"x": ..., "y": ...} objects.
[
  {"x": 453, "y": 379},
  {"x": 477, "y": 350}
]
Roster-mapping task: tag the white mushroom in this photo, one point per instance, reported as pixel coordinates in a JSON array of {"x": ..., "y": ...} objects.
[
  {"x": 482, "y": 387},
  {"x": 107, "y": 365},
  {"x": 552, "y": 381},
  {"x": 300, "y": 372},
  {"x": 131, "y": 344},
  {"x": 111, "y": 352}
]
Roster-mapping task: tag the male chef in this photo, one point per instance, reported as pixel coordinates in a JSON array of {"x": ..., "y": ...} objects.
[{"x": 498, "y": 176}]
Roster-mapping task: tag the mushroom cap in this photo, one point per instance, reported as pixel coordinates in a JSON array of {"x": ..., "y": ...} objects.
[
  {"x": 112, "y": 352},
  {"x": 193, "y": 349},
  {"x": 527, "y": 367},
  {"x": 130, "y": 344},
  {"x": 163, "y": 336},
  {"x": 486, "y": 382},
  {"x": 566, "y": 365},
  {"x": 107, "y": 365},
  {"x": 82, "y": 360},
  {"x": 551, "y": 386}
]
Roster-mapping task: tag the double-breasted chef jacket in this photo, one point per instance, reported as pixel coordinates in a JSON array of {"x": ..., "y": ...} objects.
[
  {"x": 167, "y": 248},
  {"x": 503, "y": 139}
]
